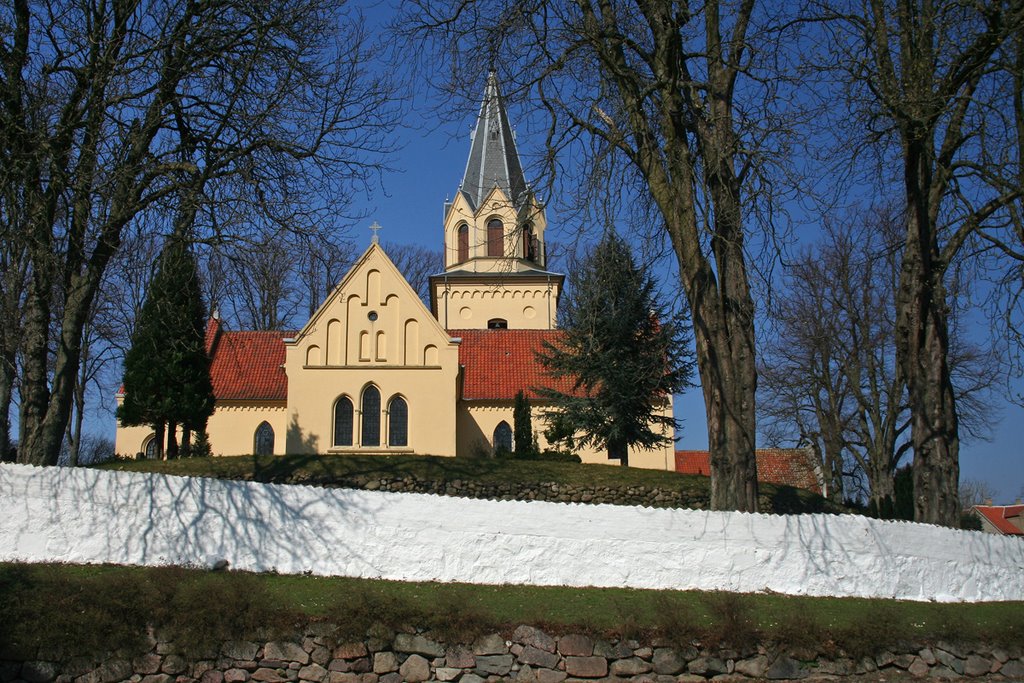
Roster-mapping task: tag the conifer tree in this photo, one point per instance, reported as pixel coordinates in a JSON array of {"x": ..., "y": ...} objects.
[
  {"x": 522, "y": 426},
  {"x": 167, "y": 370},
  {"x": 624, "y": 352}
]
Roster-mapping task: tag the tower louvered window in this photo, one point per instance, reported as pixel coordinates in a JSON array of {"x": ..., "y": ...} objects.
[
  {"x": 463, "y": 239},
  {"x": 495, "y": 238}
]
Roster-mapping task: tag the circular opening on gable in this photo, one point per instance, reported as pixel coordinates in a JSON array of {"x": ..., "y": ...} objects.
[{"x": 372, "y": 315}]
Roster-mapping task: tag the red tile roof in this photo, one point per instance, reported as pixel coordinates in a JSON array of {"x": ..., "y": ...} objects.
[
  {"x": 499, "y": 363},
  {"x": 246, "y": 365},
  {"x": 786, "y": 466},
  {"x": 999, "y": 516}
]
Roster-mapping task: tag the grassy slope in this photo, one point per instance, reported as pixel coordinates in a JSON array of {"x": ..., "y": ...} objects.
[
  {"x": 354, "y": 471},
  {"x": 94, "y": 608}
]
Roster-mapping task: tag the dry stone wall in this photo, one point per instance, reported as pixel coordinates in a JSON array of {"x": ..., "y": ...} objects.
[{"x": 529, "y": 655}]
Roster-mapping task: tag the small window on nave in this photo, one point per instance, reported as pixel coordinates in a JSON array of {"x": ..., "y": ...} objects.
[
  {"x": 502, "y": 438},
  {"x": 263, "y": 440}
]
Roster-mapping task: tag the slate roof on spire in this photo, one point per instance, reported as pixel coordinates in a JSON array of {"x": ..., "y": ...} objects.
[{"x": 493, "y": 158}]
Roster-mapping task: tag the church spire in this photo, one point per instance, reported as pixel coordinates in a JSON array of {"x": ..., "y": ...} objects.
[{"x": 493, "y": 158}]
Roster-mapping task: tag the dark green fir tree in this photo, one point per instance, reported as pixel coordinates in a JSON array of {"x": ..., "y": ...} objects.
[
  {"x": 167, "y": 370},
  {"x": 624, "y": 353},
  {"x": 522, "y": 426}
]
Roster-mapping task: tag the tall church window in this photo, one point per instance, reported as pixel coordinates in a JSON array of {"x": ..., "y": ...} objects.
[
  {"x": 263, "y": 441},
  {"x": 371, "y": 417},
  {"x": 495, "y": 238},
  {"x": 503, "y": 438},
  {"x": 343, "y": 422},
  {"x": 398, "y": 422},
  {"x": 462, "y": 236}
]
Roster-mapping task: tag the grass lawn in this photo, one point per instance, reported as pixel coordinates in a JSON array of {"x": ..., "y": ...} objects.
[
  {"x": 97, "y": 608},
  {"x": 356, "y": 471}
]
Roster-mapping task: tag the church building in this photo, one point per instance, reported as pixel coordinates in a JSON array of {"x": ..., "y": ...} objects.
[{"x": 375, "y": 371}]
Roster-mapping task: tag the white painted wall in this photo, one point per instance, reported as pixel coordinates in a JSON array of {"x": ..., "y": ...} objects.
[{"x": 83, "y": 515}]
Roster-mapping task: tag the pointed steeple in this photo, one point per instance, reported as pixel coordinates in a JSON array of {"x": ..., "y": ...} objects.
[{"x": 493, "y": 158}]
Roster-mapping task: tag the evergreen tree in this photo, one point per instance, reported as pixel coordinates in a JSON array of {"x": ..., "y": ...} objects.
[
  {"x": 624, "y": 353},
  {"x": 167, "y": 370},
  {"x": 522, "y": 425}
]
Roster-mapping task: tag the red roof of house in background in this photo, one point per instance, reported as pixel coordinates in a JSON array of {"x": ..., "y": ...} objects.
[
  {"x": 999, "y": 516},
  {"x": 786, "y": 466},
  {"x": 246, "y": 366},
  {"x": 499, "y": 363}
]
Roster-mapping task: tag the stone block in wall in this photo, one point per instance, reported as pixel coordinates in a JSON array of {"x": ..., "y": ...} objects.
[
  {"x": 415, "y": 669},
  {"x": 320, "y": 655},
  {"x": 586, "y": 667},
  {"x": 528, "y": 635},
  {"x": 312, "y": 672},
  {"x": 447, "y": 673},
  {"x": 108, "y": 672},
  {"x": 490, "y": 644},
  {"x": 265, "y": 675},
  {"x": 755, "y": 667},
  {"x": 575, "y": 645},
  {"x": 350, "y": 650},
  {"x": 286, "y": 652},
  {"x": 498, "y": 665},
  {"x": 618, "y": 651},
  {"x": 157, "y": 678},
  {"x": 468, "y": 678},
  {"x": 236, "y": 676},
  {"x": 1012, "y": 668},
  {"x": 212, "y": 676},
  {"x": 918, "y": 668},
  {"x": 393, "y": 677},
  {"x": 148, "y": 663},
  {"x": 630, "y": 666},
  {"x": 668, "y": 661},
  {"x": 385, "y": 662},
  {"x": 417, "y": 644},
  {"x": 786, "y": 668},
  {"x": 950, "y": 660},
  {"x": 174, "y": 665},
  {"x": 460, "y": 657},
  {"x": 976, "y": 665},
  {"x": 537, "y": 657}
]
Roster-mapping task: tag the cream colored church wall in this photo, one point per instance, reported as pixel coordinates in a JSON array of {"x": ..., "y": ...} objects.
[
  {"x": 231, "y": 429},
  {"x": 373, "y": 329},
  {"x": 470, "y": 305},
  {"x": 477, "y": 422}
]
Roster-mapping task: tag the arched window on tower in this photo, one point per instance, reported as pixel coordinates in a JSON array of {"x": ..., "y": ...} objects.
[
  {"x": 263, "y": 440},
  {"x": 398, "y": 422},
  {"x": 502, "y": 438},
  {"x": 462, "y": 238},
  {"x": 529, "y": 243},
  {"x": 495, "y": 238},
  {"x": 343, "y": 422},
  {"x": 371, "y": 417}
]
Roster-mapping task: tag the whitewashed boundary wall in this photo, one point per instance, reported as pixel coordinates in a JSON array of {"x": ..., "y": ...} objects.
[{"x": 93, "y": 516}]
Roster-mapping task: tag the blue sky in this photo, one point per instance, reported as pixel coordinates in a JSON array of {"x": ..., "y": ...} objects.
[{"x": 427, "y": 169}]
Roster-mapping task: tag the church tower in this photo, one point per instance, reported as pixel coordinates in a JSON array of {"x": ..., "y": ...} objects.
[{"x": 494, "y": 251}]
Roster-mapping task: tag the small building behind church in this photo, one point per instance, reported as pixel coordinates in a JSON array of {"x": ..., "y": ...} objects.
[{"x": 375, "y": 371}]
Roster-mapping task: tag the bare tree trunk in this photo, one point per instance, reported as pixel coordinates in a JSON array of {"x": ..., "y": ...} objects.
[
  {"x": 172, "y": 440},
  {"x": 158, "y": 438},
  {"x": 922, "y": 348}
]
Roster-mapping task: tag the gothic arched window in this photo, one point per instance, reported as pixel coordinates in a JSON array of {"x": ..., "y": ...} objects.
[
  {"x": 503, "y": 438},
  {"x": 343, "y": 422},
  {"x": 398, "y": 422},
  {"x": 371, "y": 417},
  {"x": 495, "y": 238},
  {"x": 263, "y": 440},
  {"x": 150, "y": 448},
  {"x": 462, "y": 237}
]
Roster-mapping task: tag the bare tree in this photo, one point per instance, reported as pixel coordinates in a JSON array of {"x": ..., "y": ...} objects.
[
  {"x": 927, "y": 83},
  {"x": 110, "y": 108},
  {"x": 975, "y": 492},
  {"x": 831, "y": 371},
  {"x": 416, "y": 264},
  {"x": 673, "y": 104}
]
